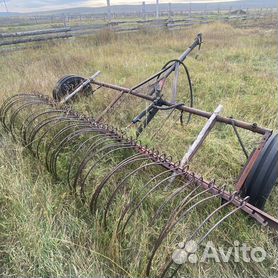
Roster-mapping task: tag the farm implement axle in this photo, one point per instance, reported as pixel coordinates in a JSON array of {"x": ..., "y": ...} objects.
[{"x": 142, "y": 191}]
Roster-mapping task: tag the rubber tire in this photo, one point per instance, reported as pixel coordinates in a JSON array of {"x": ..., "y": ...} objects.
[
  {"x": 67, "y": 84},
  {"x": 263, "y": 176}
]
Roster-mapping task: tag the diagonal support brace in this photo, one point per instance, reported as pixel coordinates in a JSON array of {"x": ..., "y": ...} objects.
[{"x": 201, "y": 137}]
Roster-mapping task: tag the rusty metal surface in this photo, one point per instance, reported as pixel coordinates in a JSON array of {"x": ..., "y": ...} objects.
[{"x": 251, "y": 161}]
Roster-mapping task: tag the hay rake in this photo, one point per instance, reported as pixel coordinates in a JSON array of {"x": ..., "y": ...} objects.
[{"x": 142, "y": 191}]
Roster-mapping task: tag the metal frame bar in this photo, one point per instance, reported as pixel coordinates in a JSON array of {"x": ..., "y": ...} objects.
[{"x": 245, "y": 125}]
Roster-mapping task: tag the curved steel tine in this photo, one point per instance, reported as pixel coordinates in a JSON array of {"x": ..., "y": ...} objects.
[
  {"x": 91, "y": 152},
  {"x": 25, "y": 122},
  {"x": 93, "y": 149},
  {"x": 121, "y": 183},
  {"x": 15, "y": 114},
  {"x": 167, "y": 268},
  {"x": 55, "y": 138},
  {"x": 61, "y": 118},
  {"x": 119, "y": 147},
  {"x": 30, "y": 133},
  {"x": 212, "y": 214},
  {"x": 33, "y": 133},
  {"x": 11, "y": 101},
  {"x": 127, "y": 207},
  {"x": 243, "y": 203},
  {"x": 111, "y": 148},
  {"x": 135, "y": 158},
  {"x": 4, "y": 108},
  {"x": 74, "y": 155},
  {"x": 73, "y": 126},
  {"x": 171, "y": 224},
  {"x": 78, "y": 131},
  {"x": 183, "y": 203},
  {"x": 27, "y": 131},
  {"x": 63, "y": 144},
  {"x": 54, "y": 121},
  {"x": 142, "y": 200},
  {"x": 7, "y": 105},
  {"x": 45, "y": 123},
  {"x": 78, "y": 178},
  {"x": 31, "y": 119},
  {"x": 169, "y": 198},
  {"x": 4, "y": 104},
  {"x": 196, "y": 232},
  {"x": 22, "y": 106}
]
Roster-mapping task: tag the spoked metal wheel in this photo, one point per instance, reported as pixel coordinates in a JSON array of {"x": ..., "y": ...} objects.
[{"x": 67, "y": 84}]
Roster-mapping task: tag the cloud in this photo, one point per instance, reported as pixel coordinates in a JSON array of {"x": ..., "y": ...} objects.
[{"x": 47, "y": 5}]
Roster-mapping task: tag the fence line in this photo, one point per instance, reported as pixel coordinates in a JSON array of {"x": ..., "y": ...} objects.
[
  {"x": 40, "y": 39},
  {"x": 34, "y": 33},
  {"x": 125, "y": 26}
]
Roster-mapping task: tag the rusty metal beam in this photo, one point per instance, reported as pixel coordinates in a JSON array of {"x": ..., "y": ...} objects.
[
  {"x": 245, "y": 125},
  {"x": 260, "y": 216}
]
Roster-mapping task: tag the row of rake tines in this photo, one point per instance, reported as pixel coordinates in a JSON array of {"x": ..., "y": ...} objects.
[{"x": 137, "y": 181}]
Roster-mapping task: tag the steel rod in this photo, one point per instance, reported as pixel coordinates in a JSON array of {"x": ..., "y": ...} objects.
[{"x": 245, "y": 125}]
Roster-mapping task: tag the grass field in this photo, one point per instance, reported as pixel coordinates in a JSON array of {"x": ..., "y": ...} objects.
[{"x": 44, "y": 232}]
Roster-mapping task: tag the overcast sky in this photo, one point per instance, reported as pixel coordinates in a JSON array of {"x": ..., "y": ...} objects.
[{"x": 46, "y": 5}]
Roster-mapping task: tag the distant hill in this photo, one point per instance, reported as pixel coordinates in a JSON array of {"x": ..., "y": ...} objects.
[
  {"x": 121, "y": 9},
  {"x": 242, "y": 4},
  {"x": 8, "y": 14}
]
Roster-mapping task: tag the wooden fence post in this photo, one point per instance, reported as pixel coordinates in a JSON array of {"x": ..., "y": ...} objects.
[
  {"x": 144, "y": 10},
  {"x": 157, "y": 9},
  {"x": 170, "y": 10},
  {"x": 108, "y": 10}
]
